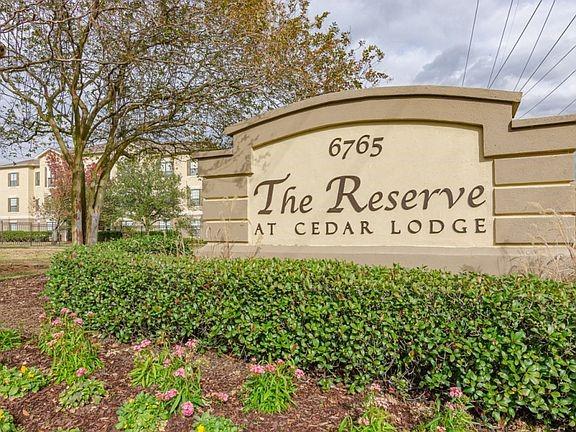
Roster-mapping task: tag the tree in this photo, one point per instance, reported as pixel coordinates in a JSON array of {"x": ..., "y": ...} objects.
[
  {"x": 108, "y": 78},
  {"x": 57, "y": 206},
  {"x": 144, "y": 193}
]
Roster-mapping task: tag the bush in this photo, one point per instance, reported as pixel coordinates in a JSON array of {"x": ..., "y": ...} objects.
[
  {"x": 508, "y": 342},
  {"x": 104, "y": 236},
  {"x": 165, "y": 244},
  {"x": 208, "y": 422},
  {"x": 25, "y": 236}
]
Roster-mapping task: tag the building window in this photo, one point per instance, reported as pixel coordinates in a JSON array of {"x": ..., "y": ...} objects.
[
  {"x": 167, "y": 166},
  {"x": 37, "y": 178},
  {"x": 50, "y": 225},
  {"x": 194, "y": 199},
  {"x": 48, "y": 177},
  {"x": 13, "y": 205},
  {"x": 13, "y": 226},
  {"x": 196, "y": 226},
  {"x": 13, "y": 179},
  {"x": 164, "y": 225},
  {"x": 192, "y": 168}
]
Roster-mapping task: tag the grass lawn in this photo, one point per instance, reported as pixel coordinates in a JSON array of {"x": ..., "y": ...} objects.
[{"x": 17, "y": 260}]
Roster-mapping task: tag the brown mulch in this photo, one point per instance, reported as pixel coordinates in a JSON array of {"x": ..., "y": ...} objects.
[{"x": 313, "y": 410}]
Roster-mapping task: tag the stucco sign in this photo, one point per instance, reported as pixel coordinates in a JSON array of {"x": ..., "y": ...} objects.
[
  {"x": 384, "y": 184},
  {"x": 433, "y": 176}
]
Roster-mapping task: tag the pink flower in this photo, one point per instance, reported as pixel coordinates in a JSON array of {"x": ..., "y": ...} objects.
[
  {"x": 270, "y": 368},
  {"x": 380, "y": 402},
  {"x": 391, "y": 389},
  {"x": 52, "y": 343},
  {"x": 179, "y": 373},
  {"x": 221, "y": 396},
  {"x": 57, "y": 335},
  {"x": 81, "y": 372},
  {"x": 451, "y": 406},
  {"x": 167, "y": 395},
  {"x": 299, "y": 373},
  {"x": 280, "y": 361},
  {"x": 73, "y": 315},
  {"x": 166, "y": 362},
  {"x": 64, "y": 311},
  {"x": 56, "y": 321},
  {"x": 257, "y": 369},
  {"x": 375, "y": 387},
  {"x": 42, "y": 316},
  {"x": 187, "y": 409},
  {"x": 440, "y": 429},
  {"x": 363, "y": 421},
  {"x": 178, "y": 351},
  {"x": 145, "y": 343},
  {"x": 455, "y": 392},
  {"x": 79, "y": 321},
  {"x": 192, "y": 343}
]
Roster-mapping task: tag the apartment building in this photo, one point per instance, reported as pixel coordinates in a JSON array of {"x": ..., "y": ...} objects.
[{"x": 24, "y": 185}]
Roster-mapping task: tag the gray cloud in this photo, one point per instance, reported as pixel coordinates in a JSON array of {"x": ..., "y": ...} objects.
[{"x": 426, "y": 43}]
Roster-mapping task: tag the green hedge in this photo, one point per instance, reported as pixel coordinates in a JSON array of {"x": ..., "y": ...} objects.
[
  {"x": 26, "y": 236},
  {"x": 509, "y": 342},
  {"x": 104, "y": 236}
]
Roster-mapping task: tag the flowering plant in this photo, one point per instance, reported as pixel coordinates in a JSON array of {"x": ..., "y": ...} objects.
[
  {"x": 7, "y": 421},
  {"x": 17, "y": 382},
  {"x": 208, "y": 422},
  {"x": 70, "y": 346},
  {"x": 374, "y": 417},
  {"x": 144, "y": 413},
  {"x": 173, "y": 372},
  {"x": 270, "y": 387}
]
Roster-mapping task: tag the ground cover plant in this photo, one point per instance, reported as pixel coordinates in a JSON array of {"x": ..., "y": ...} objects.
[
  {"x": 17, "y": 382},
  {"x": 374, "y": 417},
  {"x": 208, "y": 422},
  {"x": 82, "y": 392},
  {"x": 144, "y": 413},
  {"x": 73, "y": 353},
  {"x": 9, "y": 339},
  {"x": 7, "y": 421}
]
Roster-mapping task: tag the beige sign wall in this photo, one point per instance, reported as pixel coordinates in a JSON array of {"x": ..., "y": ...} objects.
[
  {"x": 459, "y": 152},
  {"x": 410, "y": 184}
]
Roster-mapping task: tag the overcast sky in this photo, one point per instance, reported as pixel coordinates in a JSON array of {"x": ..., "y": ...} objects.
[{"x": 426, "y": 42}]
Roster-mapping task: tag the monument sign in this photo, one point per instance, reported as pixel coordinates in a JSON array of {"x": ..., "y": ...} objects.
[{"x": 433, "y": 176}]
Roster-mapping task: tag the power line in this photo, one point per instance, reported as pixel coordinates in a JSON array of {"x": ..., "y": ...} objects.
[
  {"x": 551, "y": 69},
  {"x": 516, "y": 43},
  {"x": 550, "y": 93},
  {"x": 567, "y": 106},
  {"x": 470, "y": 43},
  {"x": 549, "y": 52},
  {"x": 500, "y": 43},
  {"x": 535, "y": 43}
]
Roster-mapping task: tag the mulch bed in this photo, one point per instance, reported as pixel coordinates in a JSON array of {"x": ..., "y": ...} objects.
[{"x": 21, "y": 305}]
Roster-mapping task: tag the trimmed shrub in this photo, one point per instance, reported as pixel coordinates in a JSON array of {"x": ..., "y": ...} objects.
[
  {"x": 104, "y": 236},
  {"x": 165, "y": 244},
  {"x": 26, "y": 236},
  {"x": 509, "y": 342}
]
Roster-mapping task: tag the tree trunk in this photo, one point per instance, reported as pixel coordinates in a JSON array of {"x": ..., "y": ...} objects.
[
  {"x": 79, "y": 204},
  {"x": 97, "y": 193}
]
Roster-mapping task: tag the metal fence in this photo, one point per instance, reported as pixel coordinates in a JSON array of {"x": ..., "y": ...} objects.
[{"x": 32, "y": 232}]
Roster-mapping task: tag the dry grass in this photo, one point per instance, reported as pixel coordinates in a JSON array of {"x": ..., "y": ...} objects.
[{"x": 25, "y": 260}]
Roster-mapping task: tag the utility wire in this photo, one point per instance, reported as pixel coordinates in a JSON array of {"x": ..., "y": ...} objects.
[
  {"x": 500, "y": 43},
  {"x": 535, "y": 44},
  {"x": 550, "y": 93},
  {"x": 470, "y": 43},
  {"x": 567, "y": 106},
  {"x": 548, "y": 53},
  {"x": 516, "y": 43},
  {"x": 551, "y": 69}
]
